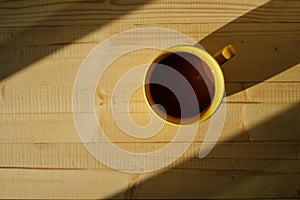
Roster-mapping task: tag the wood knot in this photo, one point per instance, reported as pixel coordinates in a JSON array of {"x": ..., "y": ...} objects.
[{"x": 101, "y": 96}]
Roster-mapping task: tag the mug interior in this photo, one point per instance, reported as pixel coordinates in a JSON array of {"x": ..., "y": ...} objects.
[{"x": 208, "y": 72}]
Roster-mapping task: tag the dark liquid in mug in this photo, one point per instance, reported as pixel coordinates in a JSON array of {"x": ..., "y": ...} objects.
[{"x": 192, "y": 88}]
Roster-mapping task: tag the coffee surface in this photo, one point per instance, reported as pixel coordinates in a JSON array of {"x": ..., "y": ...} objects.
[{"x": 187, "y": 85}]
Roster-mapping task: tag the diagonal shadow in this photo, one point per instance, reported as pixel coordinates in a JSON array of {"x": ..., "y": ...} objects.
[
  {"x": 64, "y": 23},
  {"x": 229, "y": 168},
  {"x": 267, "y": 40},
  {"x": 264, "y": 50},
  {"x": 279, "y": 50}
]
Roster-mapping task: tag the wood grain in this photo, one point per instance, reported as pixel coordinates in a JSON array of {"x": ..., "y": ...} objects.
[{"x": 43, "y": 44}]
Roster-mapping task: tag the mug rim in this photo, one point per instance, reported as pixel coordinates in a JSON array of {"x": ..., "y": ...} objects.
[{"x": 218, "y": 79}]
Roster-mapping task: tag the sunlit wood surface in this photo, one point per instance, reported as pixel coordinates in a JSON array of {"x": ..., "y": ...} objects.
[{"x": 42, "y": 45}]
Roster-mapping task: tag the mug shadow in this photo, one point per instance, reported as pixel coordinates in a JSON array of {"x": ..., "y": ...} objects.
[
  {"x": 264, "y": 50},
  {"x": 244, "y": 169},
  {"x": 39, "y": 29},
  {"x": 267, "y": 41}
]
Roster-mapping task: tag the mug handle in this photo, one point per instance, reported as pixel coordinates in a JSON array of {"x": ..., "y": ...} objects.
[
  {"x": 222, "y": 56},
  {"x": 225, "y": 54}
]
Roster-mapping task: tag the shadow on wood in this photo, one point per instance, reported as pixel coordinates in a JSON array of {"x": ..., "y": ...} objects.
[
  {"x": 34, "y": 24},
  {"x": 249, "y": 169},
  {"x": 267, "y": 40},
  {"x": 267, "y": 165}
]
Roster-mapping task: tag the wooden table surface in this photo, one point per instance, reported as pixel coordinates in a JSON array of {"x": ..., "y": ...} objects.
[{"x": 43, "y": 44}]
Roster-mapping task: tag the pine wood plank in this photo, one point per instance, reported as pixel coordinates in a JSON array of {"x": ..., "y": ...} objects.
[
  {"x": 254, "y": 157},
  {"x": 243, "y": 122},
  {"x": 257, "y": 156},
  {"x": 31, "y": 183},
  {"x": 55, "y": 99}
]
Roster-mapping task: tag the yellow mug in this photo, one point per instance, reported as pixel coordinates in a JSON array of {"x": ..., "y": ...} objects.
[{"x": 185, "y": 84}]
